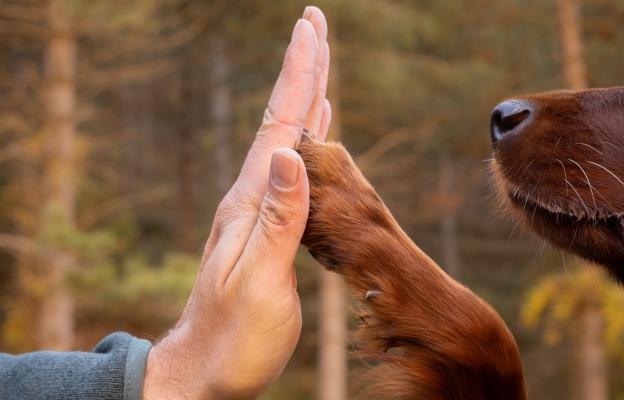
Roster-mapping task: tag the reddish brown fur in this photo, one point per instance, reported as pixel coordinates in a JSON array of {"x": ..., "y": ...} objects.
[
  {"x": 428, "y": 336},
  {"x": 545, "y": 168}
]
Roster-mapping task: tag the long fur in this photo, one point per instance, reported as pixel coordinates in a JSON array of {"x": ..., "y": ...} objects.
[{"x": 428, "y": 336}]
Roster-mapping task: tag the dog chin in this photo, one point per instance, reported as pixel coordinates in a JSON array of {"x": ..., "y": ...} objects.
[{"x": 597, "y": 239}]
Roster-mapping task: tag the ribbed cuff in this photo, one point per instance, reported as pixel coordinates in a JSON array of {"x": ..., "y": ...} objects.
[{"x": 135, "y": 368}]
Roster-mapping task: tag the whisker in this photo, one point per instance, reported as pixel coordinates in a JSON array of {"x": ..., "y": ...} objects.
[
  {"x": 573, "y": 237},
  {"x": 579, "y": 196},
  {"x": 535, "y": 187},
  {"x": 565, "y": 265},
  {"x": 533, "y": 214},
  {"x": 557, "y": 144},
  {"x": 565, "y": 174},
  {"x": 537, "y": 201},
  {"x": 522, "y": 184},
  {"x": 527, "y": 167},
  {"x": 606, "y": 169},
  {"x": 541, "y": 249},
  {"x": 513, "y": 230},
  {"x": 605, "y": 199},
  {"x": 591, "y": 189},
  {"x": 609, "y": 143},
  {"x": 526, "y": 200},
  {"x": 591, "y": 147}
]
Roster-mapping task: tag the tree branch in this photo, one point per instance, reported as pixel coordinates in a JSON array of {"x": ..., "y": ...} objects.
[
  {"x": 21, "y": 12},
  {"x": 107, "y": 77},
  {"x": 121, "y": 203},
  {"x": 19, "y": 244},
  {"x": 14, "y": 150},
  {"x": 392, "y": 140},
  {"x": 15, "y": 29}
]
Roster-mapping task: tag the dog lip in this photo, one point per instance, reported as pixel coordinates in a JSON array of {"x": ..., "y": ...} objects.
[
  {"x": 522, "y": 199},
  {"x": 528, "y": 203}
]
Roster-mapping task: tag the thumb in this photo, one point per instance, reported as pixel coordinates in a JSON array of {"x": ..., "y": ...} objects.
[{"x": 272, "y": 246}]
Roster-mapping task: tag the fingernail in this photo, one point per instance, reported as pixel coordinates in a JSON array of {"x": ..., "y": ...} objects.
[
  {"x": 296, "y": 29},
  {"x": 326, "y": 52},
  {"x": 284, "y": 170},
  {"x": 307, "y": 11}
]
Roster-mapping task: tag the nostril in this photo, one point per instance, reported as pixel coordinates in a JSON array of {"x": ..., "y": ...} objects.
[
  {"x": 506, "y": 117},
  {"x": 508, "y": 122}
]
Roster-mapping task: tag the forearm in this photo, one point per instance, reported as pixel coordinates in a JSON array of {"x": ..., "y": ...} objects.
[{"x": 113, "y": 370}]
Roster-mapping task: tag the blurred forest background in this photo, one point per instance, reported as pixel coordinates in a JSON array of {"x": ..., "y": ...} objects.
[{"x": 123, "y": 123}]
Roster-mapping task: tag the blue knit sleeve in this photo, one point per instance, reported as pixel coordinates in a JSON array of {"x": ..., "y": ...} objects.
[{"x": 113, "y": 370}]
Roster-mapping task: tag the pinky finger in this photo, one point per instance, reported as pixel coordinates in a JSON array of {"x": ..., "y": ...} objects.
[{"x": 325, "y": 121}]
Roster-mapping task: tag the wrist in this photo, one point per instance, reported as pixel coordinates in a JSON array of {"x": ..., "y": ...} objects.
[{"x": 175, "y": 369}]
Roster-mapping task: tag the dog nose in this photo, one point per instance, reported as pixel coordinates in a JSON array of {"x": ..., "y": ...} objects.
[{"x": 506, "y": 117}]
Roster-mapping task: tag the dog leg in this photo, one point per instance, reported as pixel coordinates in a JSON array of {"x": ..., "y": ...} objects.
[{"x": 448, "y": 343}]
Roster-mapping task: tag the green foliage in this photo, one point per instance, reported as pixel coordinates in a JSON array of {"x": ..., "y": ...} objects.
[
  {"x": 60, "y": 234},
  {"x": 136, "y": 286}
]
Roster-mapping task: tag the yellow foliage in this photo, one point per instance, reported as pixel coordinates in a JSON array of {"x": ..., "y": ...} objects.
[
  {"x": 555, "y": 300},
  {"x": 538, "y": 300}
]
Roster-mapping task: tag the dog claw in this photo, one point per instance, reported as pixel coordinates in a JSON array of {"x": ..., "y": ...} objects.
[
  {"x": 371, "y": 294},
  {"x": 306, "y": 137}
]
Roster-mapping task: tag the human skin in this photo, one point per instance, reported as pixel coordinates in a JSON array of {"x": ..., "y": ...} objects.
[{"x": 242, "y": 320}]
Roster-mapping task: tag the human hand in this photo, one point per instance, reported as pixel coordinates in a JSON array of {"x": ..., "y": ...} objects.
[{"x": 243, "y": 318}]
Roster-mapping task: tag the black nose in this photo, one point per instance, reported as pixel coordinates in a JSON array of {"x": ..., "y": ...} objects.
[{"x": 506, "y": 117}]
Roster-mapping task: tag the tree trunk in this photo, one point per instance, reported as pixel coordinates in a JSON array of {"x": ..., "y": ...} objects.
[
  {"x": 574, "y": 69},
  {"x": 56, "y": 324},
  {"x": 221, "y": 113},
  {"x": 333, "y": 323},
  {"x": 593, "y": 381},
  {"x": 448, "y": 221},
  {"x": 186, "y": 164},
  {"x": 333, "y": 333}
]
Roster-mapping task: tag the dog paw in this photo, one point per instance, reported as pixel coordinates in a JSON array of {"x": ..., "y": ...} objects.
[{"x": 345, "y": 210}]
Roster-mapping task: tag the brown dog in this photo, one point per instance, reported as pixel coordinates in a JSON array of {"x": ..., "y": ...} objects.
[
  {"x": 559, "y": 163},
  {"x": 429, "y": 336}
]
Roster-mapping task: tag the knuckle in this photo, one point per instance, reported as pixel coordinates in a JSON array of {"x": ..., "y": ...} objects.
[
  {"x": 232, "y": 205},
  {"x": 277, "y": 214},
  {"x": 272, "y": 119},
  {"x": 225, "y": 212}
]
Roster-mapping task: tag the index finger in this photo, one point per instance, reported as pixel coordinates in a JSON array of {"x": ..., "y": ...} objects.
[
  {"x": 282, "y": 127},
  {"x": 287, "y": 110}
]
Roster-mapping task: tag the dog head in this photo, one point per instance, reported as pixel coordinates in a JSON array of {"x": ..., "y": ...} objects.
[{"x": 559, "y": 164}]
